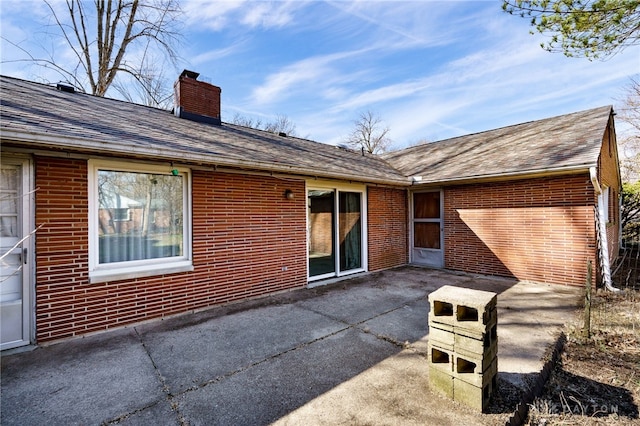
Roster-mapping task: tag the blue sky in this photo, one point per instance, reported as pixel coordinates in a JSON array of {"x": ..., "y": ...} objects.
[{"x": 429, "y": 69}]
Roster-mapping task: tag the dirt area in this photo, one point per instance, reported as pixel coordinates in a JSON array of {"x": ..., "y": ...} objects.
[{"x": 597, "y": 379}]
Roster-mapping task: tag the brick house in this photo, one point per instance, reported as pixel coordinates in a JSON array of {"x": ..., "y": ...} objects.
[{"x": 215, "y": 212}]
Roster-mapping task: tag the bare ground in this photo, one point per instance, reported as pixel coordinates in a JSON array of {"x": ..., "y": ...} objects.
[{"x": 597, "y": 379}]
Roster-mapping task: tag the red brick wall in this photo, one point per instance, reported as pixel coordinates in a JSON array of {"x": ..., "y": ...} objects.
[
  {"x": 61, "y": 247},
  {"x": 536, "y": 229},
  {"x": 387, "y": 233},
  {"x": 244, "y": 234}
]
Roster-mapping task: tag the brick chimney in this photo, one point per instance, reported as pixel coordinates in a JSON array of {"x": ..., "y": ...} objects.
[{"x": 196, "y": 100}]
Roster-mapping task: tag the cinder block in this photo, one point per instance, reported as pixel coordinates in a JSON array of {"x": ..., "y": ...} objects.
[
  {"x": 441, "y": 381},
  {"x": 441, "y": 325},
  {"x": 478, "y": 299},
  {"x": 441, "y": 358},
  {"x": 474, "y": 396},
  {"x": 442, "y": 334},
  {"x": 482, "y": 361},
  {"x": 478, "y": 328},
  {"x": 469, "y": 372},
  {"x": 475, "y": 342},
  {"x": 463, "y": 307}
]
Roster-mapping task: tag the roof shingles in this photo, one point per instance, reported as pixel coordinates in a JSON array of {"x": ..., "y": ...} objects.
[
  {"x": 91, "y": 124},
  {"x": 38, "y": 115},
  {"x": 565, "y": 142}
]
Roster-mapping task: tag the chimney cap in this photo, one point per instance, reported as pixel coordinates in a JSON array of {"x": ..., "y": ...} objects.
[{"x": 190, "y": 74}]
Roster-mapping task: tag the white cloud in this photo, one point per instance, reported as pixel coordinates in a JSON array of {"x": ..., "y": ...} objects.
[
  {"x": 403, "y": 23},
  {"x": 211, "y": 15},
  {"x": 215, "y": 54},
  {"x": 269, "y": 15},
  {"x": 220, "y": 15},
  {"x": 316, "y": 75}
]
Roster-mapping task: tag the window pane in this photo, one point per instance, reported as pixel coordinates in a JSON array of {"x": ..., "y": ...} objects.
[
  {"x": 9, "y": 202},
  {"x": 426, "y": 235},
  {"x": 140, "y": 216},
  {"x": 350, "y": 231},
  {"x": 426, "y": 205}
]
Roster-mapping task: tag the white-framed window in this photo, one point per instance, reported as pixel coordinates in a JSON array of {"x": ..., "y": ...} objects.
[{"x": 139, "y": 220}]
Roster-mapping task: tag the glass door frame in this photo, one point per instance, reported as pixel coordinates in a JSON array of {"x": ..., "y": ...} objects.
[{"x": 337, "y": 188}]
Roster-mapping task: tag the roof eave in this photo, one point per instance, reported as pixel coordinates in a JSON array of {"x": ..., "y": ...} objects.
[
  {"x": 43, "y": 140},
  {"x": 527, "y": 174}
]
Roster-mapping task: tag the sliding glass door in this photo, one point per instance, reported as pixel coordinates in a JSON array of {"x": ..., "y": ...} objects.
[{"x": 336, "y": 232}]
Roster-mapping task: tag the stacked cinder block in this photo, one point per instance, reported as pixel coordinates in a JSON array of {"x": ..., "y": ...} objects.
[{"x": 463, "y": 344}]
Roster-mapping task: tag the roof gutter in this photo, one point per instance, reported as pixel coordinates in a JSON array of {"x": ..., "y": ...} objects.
[
  {"x": 496, "y": 177},
  {"x": 114, "y": 148}
]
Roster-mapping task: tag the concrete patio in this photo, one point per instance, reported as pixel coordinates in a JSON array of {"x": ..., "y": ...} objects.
[{"x": 352, "y": 352}]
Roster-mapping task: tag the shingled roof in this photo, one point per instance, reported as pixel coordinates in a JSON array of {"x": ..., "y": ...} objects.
[
  {"x": 565, "y": 143},
  {"x": 37, "y": 116}
]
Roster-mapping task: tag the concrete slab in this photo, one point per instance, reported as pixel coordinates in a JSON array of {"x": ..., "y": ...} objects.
[
  {"x": 273, "y": 389},
  {"x": 393, "y": 392},
  {"x": 530, "y": 316},
  {"x": 351, "y": 352},
  {"x": 356, "y": 304},
  {"x": 84, "y": 381},
  {"x": 196, "y": 353},
  {"x": 403, "y": 325},
  {"x": 160, "y": 414}
]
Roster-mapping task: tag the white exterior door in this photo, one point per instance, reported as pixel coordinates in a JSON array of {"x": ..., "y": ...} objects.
[{"x": 15, "y": 252}]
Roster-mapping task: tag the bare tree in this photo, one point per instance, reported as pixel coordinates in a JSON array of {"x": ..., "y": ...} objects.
[
  {"x": 629, "y": 113},
  {"x": 369, "y": 134},
  {"x": 281, "y": 124},
  {"x": 104, "y": 41},
  {"x": 245, "y": 121},
  {"x": 153, "y": 88}
]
